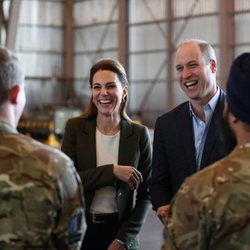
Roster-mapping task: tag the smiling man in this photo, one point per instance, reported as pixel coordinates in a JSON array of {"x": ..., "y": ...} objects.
[
  {"x": 192, "y": 135},
  {"x": 216, "y": 200}
]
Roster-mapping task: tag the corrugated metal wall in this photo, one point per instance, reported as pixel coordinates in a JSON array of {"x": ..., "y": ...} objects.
[{"x": 153, "y": 30}]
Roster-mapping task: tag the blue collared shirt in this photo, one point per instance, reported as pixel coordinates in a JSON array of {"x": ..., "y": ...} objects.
[{"x": 200, "y": 127}]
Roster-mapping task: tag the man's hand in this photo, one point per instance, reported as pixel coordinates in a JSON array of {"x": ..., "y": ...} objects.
[
  {"x": 115, "y": 245},
  {"x": 162, "y": 213},
  {"x": 128, "y": 174}
]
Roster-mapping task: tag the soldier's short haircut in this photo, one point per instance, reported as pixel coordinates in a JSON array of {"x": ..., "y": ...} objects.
[
  {"x": 11, "y": 72},
  {"x": 238, "y": 88}
]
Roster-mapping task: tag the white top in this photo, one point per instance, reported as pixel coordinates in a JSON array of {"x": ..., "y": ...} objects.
[{"x": 107, "y": 149}]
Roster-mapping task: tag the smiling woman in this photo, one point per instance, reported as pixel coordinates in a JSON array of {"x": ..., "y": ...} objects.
[
  {"x": 113, "y": 156},
  {"x": 108, "y": 94}
]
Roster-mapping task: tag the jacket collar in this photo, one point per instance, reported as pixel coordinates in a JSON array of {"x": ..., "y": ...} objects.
[
  {"x": 7, "y": 128},
  {"x": 89, "y": 127},
  {"x": 212, "y": 135}
]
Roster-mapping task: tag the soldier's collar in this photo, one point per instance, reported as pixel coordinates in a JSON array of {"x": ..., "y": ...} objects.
[{"x": 6, "y": 127}]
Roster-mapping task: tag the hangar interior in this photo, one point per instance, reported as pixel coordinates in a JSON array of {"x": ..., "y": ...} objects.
[{"x": 57, "y": 41}]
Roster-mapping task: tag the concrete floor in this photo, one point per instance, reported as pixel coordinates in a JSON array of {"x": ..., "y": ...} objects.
[{"x": 151, "y": 233}]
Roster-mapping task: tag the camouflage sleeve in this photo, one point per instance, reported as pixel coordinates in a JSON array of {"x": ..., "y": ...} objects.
[
  {"x": 182, "y": 225},
  {"x": 71, "y": 226}
]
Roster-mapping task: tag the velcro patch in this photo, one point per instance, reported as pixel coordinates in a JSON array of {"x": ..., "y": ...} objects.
[{"x": 75, "y": 228}]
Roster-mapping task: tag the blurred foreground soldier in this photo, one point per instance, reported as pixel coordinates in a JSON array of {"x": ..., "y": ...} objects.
[
  {"x": 41, "y": 198},
  {"x": 212, "y": 208}
]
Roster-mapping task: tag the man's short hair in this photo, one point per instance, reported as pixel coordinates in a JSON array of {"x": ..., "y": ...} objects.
[
  {"x": 206, "y": 49},
  {"x": 11, "y": 72}
]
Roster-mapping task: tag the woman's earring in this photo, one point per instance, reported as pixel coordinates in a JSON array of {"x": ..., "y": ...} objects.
[{"x": 123, "y": 99}]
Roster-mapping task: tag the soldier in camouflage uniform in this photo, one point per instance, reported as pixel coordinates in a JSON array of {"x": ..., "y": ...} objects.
[
  {"x": 212, "y": 208},
  {"x": 42, "y": 204}
]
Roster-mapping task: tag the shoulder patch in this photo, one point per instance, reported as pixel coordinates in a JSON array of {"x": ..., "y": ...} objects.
[{"x": 76, "y": 227}]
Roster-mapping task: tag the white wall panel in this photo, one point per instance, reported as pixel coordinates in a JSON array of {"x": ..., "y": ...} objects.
[
  {"x": 146, "y": 66},
  {"x": 242, "y": 24},
  {"x": 96, "y": 37},
  {"x": 146, "y": 10},
  {"x": 205, "y": 28},
  {"x": 42, "y": 12},
  {"x": 92, "y": 12},
  {"x": 41, "y": 65},
  {"x": 194, "y": 7},
  {"x": 41, "y": 93},
  {"x": 40, "y": 38},
  {"x": 83, "y": 62},
  {"x": 242, "y": 5},
  {"x": 156, "y": 98},
  {"x": 147, "y": 37}
]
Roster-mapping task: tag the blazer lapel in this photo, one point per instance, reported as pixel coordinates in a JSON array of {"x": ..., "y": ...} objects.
[
  {"x": 87, "y": 151},
  {"x": 187, "y": 136},
  {"x": 212, "y": 134},
  {"x": 126, "y": 149}
]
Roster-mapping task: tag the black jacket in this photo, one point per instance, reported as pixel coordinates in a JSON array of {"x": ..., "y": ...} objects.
[{"x": 174, "y": 149}]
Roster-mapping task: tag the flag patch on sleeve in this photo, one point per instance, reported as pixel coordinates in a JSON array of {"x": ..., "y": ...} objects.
[{"x": 75, "y": 228}]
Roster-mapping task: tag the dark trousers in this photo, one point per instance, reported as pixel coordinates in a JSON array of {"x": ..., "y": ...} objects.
[{"x": 100, "y": 232}]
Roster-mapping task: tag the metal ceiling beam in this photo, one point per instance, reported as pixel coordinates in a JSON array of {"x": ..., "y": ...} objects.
[
  {"x": 123, "y": 32},
  {"x": 12, "y": 24},
  {"x": 227, "y": 38},
  {"x": 3, "y": 21},
  {"x": 68, "y": 48},
  {"x": 170, "y": 50}
]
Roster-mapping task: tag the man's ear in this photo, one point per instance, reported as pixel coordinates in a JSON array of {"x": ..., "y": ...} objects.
[
  {"x": 213, "y": 65},
  {"x": 14, "y": 94}
]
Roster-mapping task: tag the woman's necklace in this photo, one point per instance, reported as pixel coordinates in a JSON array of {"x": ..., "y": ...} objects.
[{"x": 109, "y": 130}]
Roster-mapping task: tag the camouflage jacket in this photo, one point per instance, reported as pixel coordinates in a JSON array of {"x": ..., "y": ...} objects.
[
  {"x": 212, "y": 208},
  {"x": 42, "y": 205}
]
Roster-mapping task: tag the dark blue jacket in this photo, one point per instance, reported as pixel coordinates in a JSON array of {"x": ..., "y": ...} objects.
[{"x": 174, "y": 149}]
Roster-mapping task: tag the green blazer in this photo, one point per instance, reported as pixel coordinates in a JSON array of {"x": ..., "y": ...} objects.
[{"x": 135, "y": 150}]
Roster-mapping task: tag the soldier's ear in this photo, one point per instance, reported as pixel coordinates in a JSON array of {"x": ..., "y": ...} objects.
[
  {"x": 232, "y": 118},
  {"x": 14, "y": 94}
]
